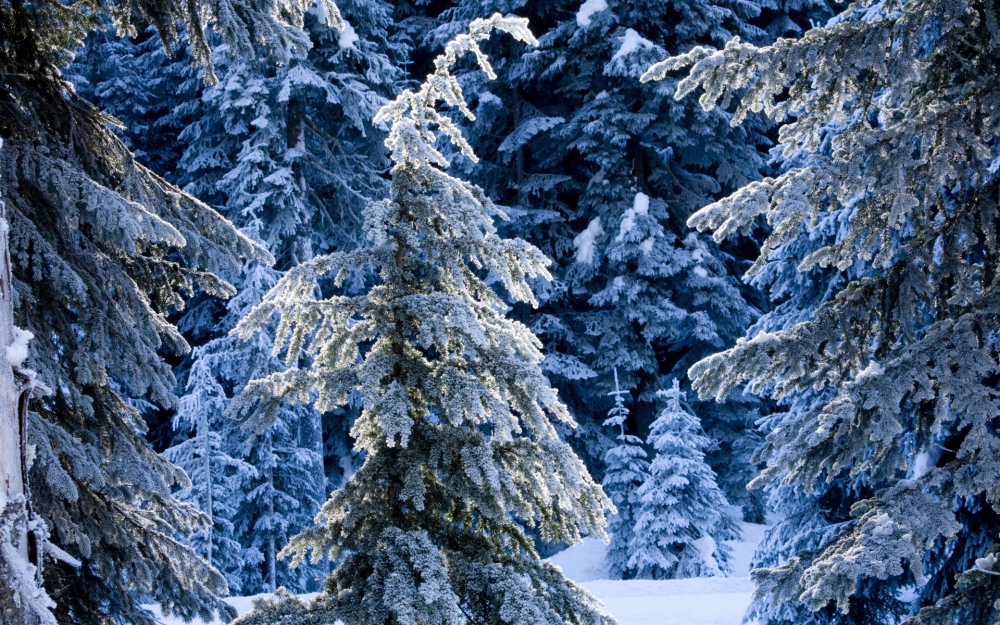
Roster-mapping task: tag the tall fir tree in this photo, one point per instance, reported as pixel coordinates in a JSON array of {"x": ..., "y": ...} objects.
[
  {"x": 683, "y": 516},
  {"x": 626, "y": 469},
  {"x": 461, "y": 452},
  {"x": 893, "y": 123},
  {"x": 102, "y": 250}
]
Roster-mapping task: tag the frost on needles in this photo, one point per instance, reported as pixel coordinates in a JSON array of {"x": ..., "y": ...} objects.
[{"x": 457, "y": 431}]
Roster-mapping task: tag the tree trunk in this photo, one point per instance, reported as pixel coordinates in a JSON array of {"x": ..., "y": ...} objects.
[
  {"x": 206, "y": 450},
  {"x": 22, "y": 601},
  {"x": 272, "y": 581}
]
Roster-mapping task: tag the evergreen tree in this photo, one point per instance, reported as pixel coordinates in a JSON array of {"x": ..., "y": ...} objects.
[
  {"x": 461, "y": 454},
  {"x": 102, "y": 249},
  {"x": 903, "y": 347},
  {"x": 625, "y": 471},
  {"x": 219, "y": 481},
  {"x": 683, "y": 517}
]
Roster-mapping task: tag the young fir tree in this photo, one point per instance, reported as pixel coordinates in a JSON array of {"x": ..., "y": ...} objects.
[
  {"x": 461, "y": 453},
  {"x": 625, "y": 471},
  {"x": 219, "y": 481},
  {"x": 102, "y": 249},
  {"x": 683, "y": 517},
  {"x": 906, "y": 351}
]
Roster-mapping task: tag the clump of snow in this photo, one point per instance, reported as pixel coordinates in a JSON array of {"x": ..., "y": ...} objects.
[
  {"x": 987, "y": 563},
  {"x": 647, "y": 245},
  {"x": 585, "y": 242},
  {"x": 587, "y": 10},
  {"x": 17, "y": 351},
  {"x": 763, "y": 337},
  {"x": 706, "y": 546},
  {"x": 873, "y": 369},
  {"x": 700, "y": 271},
  {"x": 640, "y": 206},
  {"x": 632, "y": 42},
  {"x": 347, "y": 37},
  {"x": 882, "y": 525},
  {"x": 922, "y": 464}
]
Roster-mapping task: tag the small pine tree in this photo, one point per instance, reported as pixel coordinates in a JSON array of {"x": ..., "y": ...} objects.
[
  {"x": 461, "y": 452},
  {"x": 218, "y": 479},
  {"x": 626, "y": 471},
  {"x": 683, "y": 515}
]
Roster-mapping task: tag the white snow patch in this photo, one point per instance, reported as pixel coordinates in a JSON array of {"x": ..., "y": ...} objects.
[
  {"x": 632, "y": 42},
  {"x": 585, "y": 242},
  {"x": 700, "y": 271},
  {"x": 873, "y": 369},
  {"x": 584, "y": 562},
  {"x": 699, "y": 601},
  {"x": 986, "y": 563},
  {"x": 18, "y": 350},
  {"x": 647, "y": 246},
  {"x": 347, "y": 37},
  {"x": 762, "y": 337},
  {"x": 640, "y": 206},
  {"x": 882, "y": 525},
  {"x": 706, "y": 545},
  {"x": 587, "y": 10},
  {"x": 922, "y": 464}
]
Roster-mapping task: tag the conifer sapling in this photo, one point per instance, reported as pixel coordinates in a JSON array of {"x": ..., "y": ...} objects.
[{"x": 683, "y": 515}]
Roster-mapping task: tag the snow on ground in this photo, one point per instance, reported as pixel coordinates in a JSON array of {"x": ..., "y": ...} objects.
[{"x": 700, "y": 601}]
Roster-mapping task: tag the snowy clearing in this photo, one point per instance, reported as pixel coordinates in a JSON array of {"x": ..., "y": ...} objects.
[{"x": 700, "y": 601}]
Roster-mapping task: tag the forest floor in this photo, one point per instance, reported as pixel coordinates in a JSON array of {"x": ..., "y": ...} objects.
[{"x": 699, "y": 601}]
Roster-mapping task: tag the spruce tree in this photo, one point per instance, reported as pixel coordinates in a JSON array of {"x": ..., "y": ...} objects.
[
  {"x": 461, "y": 455},
  {"x": 683, "y": 516},
  {"x": 625, "y": 471},
  {"x": 893, "y": 125},
  {"x": 219, "y": 480}
]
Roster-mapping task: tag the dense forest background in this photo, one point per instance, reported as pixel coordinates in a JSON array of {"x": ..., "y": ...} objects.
[{"x": 780, "y": 288}]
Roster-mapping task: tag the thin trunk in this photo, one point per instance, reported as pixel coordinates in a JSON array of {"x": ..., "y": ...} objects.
[
  {"x": 206, "y": 458},
  {"x": 271, "y": 573}
]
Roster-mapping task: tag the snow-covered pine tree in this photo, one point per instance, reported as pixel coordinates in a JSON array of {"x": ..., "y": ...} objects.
[
  {"x": 460, "y": 451},
  {"x": 124, "y": 77},
  {"x": 683, "y": 516},
  {"x": 219, "y": 481},
  {"x": 906, "y": 351},
  {"x": 23, "y": 601},
  {"x": 646, "y": 295},
  {"x": 102, "y": 250},
  {"x": 625, "y": 470}
]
